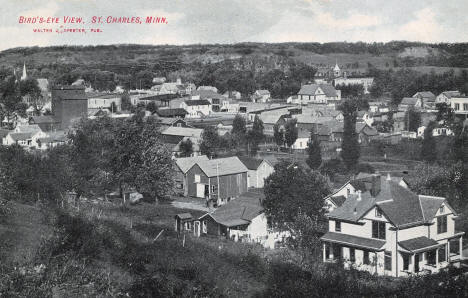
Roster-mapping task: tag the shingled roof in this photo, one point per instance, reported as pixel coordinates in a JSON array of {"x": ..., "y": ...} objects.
[
  {"x": 222, "y": 166},
  {"x": 186, "y": 163},
  {"x": 310, "y": 89},
  {"x": 250, "y": 162},
  {"x": 401, "y": 206},
  {"x": 354, "y": 241},
  {"x": 238, "y": 212},
  {"x": 197, "y": 102}
]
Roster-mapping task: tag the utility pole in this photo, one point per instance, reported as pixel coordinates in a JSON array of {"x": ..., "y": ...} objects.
[{"x": 217, "y": 176}]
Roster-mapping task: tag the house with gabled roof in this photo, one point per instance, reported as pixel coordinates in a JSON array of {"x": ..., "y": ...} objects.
[
  {"x": 390, "y": 230},
  {"x": 261, "y": 96},
  {"x": 318, "y": 94},
  {"x": 410, "y": 102},
  {"x": 217, "y": 180},
  {"x": 242, "y": 219},
  {"x": 446, "y": 96},
  {"x": 181, "y": 166},
  {"x": 259, "y": 170}
]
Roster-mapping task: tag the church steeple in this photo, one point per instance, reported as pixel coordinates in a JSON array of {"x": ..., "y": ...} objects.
[
  {"x": 336, "y": 69},
  {"x": 24, "y": 76}
]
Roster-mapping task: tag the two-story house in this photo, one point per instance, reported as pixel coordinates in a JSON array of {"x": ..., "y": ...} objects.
[
  {"x": 318, "y": 94},
  {"x": 390, "y": 230},
  {"x": 446, "y": 96},
  {"x": 459, "y": 105},
  {"x": 196, "y": 108},
  {"x": 217, "y": 180}
]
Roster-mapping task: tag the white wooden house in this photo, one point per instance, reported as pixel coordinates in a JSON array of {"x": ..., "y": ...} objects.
[{"x": 393, "y": 231}]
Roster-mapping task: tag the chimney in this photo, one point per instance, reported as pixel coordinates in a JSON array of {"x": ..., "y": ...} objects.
[
  {"x": 359, "y": 195},
  {"x": 375, "y": 190},
  {"x": 355, "y": 211},
  {"x": 388, "y": 177}
]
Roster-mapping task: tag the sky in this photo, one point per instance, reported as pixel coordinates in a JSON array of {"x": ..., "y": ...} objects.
[{"x": 221, "y": 21}]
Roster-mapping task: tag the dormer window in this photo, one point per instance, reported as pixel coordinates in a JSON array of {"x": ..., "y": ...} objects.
[{"x": 378, "y": 213}]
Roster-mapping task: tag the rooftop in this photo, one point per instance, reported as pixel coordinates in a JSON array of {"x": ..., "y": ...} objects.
[
  {"x": 240, "y": 211},
  {"x": 222, "y": 166}
]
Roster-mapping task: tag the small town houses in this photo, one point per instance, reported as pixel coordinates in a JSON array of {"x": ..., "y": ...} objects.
[{"x": 380, "y": 226}]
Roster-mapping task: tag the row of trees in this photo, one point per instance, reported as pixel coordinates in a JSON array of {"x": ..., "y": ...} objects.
[
  {"x": 406, "y": 82},
  {"x": 104, "y": 155},
  {"x": 240, "y": 138}
]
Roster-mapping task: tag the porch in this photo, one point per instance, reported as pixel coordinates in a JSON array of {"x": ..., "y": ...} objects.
[{"x": 425, "y": 256}]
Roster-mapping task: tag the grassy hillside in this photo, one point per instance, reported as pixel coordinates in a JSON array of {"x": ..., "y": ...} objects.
[
  {"x": 394, "y": 54},
  {"x": 103, "y": 250}
]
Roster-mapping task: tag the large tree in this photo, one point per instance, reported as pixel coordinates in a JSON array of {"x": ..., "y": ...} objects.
[
  {"x": 292, "y": 189},
  {"x": 186, "y": 147},
  {"x": 291, "y": 133},
  {"x": 314, "y": 154},
  {"x": 412, "y": 119},
  {"x": 278, "y": 135},
  {"x": 428, "y": 149},
  {"x": 210, "y": 141},
  {"x": 255, "y": 135},
  {"x": 239, "y": 130},
  {"x": 350, "y": 150}
]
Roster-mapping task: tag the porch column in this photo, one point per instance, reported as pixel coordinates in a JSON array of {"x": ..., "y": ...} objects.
[
  {"x": 332, "y": 257},
  {"x": 437, "y": 259},
  {"x": 324, "y": 250},
  {"x": 411, "y": 266},
  {"x": 448, "y": 251},
  {"x": 461, "y": 247}
]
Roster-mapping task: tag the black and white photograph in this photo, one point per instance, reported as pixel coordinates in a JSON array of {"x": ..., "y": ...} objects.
[{"x": 233, "y": 148}]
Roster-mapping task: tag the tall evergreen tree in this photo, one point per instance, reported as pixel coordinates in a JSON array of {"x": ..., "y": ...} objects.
[
  {"x": 350, "y": 150},
  {"x": 314, "y": 155},
  {"x": 291, "y": 133},
  {"x": 278, "y": 135},
  {"x": 239, "y": 130},
  {"x": 256, "y": 135},
  {"x": 428, "y": 149}
]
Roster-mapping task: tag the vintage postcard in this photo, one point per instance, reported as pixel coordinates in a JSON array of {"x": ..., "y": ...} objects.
[{"x": 214, "y": 148}]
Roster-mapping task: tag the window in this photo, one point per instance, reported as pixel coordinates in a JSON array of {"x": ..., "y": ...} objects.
[
  {"x": 465, "y": 107},
  {"x": 366, "y": 260},
  {"x": 204, "y": 227},
  {"x": 457, "y": 106},
  {"x": 442, "y": 224},
  {"x": 388, "y": 261},
  {"x": 197, "y": 178},
  {"x": 337, "y": 226},
  {"x": 441, "y": 209},
  {"x": 406, "y": 258},
  {"x": 213, "y": 188},
  {"x": 378, "y": 213},
  {"x": 378, "y": 230},
  {"x": 352, "y": 255},
  {"x": 348, "y": 191}
]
